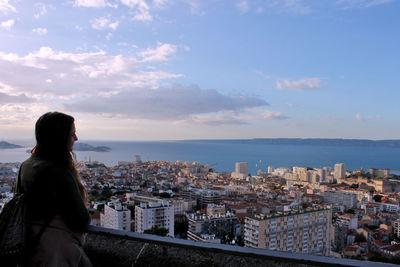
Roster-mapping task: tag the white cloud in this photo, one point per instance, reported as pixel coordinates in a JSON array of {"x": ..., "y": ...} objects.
[
  {"x": 98, "y": 83},
  {"x": 161, "y": 53},
  {"x": 142, "y": 9},
  {"x": 289, "y": 104},
  {"x": 114, "y": 25},
  {"x": 7, "y": 99},
  {"x": 90, "y": 3},
  {"x": 176, "y": 102},
  {"x": 7, "y": 24},
  {"x": 359, "y": 117},
  {"x": 5, "y": 6},
  {"x": 301, "y": 85},
  {"x": 243, "y": 6},
  {"x": 143, "y": 15},
  {"x": 40, "y": 31},
  {"x": 100, "y": 23},
  {"x": 233, "y": 117},
  {"x": 42, "y": 10},
  {"x": 159, "y": 3},
  {"x": 350, "y": 4},
  {"x": 104, "y": 23},
  {"x": 195, "y": 7},
  {"x": 74, "y": 74},
  {"x": 280, "y": 6},
  {"x": 296, "y": 6}
]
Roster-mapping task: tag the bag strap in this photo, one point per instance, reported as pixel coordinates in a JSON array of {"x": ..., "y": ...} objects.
[{"x": 18, "y": 187}]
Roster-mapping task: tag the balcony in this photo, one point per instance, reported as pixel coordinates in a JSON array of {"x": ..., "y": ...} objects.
[{"x": 108, "y": 247}]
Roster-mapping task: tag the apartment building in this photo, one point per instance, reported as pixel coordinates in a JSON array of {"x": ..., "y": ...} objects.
[
  {"x": 149, "y": 214},
  {"x": 241, "y": 170},
  {"x": 301, "y": 174},
  {"x": 340, "y": 170},
  {"x": 218, "y": 225},
  {"x": 396, "y": 228},
  {"x": 339, "y": 197},
  {"x": 301, "y": 231},
  {"x": 116, "y": 216},
  {"x": 349, "y": 220}
]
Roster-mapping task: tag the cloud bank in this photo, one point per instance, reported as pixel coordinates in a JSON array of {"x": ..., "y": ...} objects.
[
  {"x": 117, "y": 86},
  {"x": 300, "y": 85},
  {"x": 176, "y": 102}
]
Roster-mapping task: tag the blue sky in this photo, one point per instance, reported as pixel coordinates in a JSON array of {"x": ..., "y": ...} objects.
[{"x": 192, "y": 69}]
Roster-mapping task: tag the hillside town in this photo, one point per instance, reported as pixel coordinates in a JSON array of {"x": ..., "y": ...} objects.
[{"x": 320, "y": 211}]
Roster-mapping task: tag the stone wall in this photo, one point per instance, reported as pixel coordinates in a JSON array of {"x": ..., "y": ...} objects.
[{"x": 106, "y": 247}]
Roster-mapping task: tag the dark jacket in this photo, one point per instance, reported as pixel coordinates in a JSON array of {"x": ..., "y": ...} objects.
[
  {"x": 52, "y": 190},
  {"x": 56, "y": 215}
]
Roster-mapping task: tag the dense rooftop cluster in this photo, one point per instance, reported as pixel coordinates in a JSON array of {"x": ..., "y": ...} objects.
[{"x": 193, "y": 201}]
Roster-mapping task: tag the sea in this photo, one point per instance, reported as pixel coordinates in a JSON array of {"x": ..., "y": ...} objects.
[{"x": 222, "y": 155}]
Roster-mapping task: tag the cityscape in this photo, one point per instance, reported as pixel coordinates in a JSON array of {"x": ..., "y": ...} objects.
[
  {"x": 219, "y": 132},
  {"x": 327, "y": 211}
]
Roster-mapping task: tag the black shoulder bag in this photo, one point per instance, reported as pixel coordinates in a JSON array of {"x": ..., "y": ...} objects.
[
  {"x": 14, "y": 244},
  {"x": 12, "y": 228}
]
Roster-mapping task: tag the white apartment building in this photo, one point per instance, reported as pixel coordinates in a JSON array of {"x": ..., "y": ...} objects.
[
  {"x": 241, "y": 170},
  {"x": 340, "y": 170},
  {"x": 301, "y": 174},
  {"x": 349, "y": 220},
  {"x": 149, "y": 214},
  {"x": 116, "y": 216},
  {"x": 345, "y": 198},
  {"x": 396, "y": 228},
  {"x": 242, "y": 167},
  {"x": 384, "y": 207},
  {"x": 305, "y": 231}
]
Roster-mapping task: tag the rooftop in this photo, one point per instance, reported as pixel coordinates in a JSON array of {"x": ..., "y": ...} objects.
[{"x": 289, "y": 213}]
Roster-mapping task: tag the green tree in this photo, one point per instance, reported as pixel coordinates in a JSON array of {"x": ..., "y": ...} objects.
[
  {"x": 360, "y": 238},
  {"x": 106, "y": 193},
  {"x": 165, "y": 195},
  {"x": 180, "y": 228},
  {"x": 377, "y": 198},
  {"x": 100, "y": 207},
  {"x": 155, "y": 230}
]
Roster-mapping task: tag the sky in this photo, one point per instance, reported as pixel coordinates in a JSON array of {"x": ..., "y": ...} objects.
[{"x": 202, "y": 69}]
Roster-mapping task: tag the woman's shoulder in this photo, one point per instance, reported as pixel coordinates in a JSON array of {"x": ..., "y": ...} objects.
[{"x": 40, "y": 165}]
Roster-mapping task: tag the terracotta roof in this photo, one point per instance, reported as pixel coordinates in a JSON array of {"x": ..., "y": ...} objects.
[
  {"x": 351, "y": 248},
  {"x": 379, "y": 243},
  {"x": 367, "y": 254},
  {"x": 393, "y": 248}
]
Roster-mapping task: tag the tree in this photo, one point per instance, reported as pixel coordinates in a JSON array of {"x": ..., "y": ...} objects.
[
  {"x": 180, "y": 228},
  {"x": 165, "y": 195},
  {"x": 377, "y": 198},
  {"x": 354, "y": 186},
  {"x": 360, "y": 238},
  {"x": 106, "y": 193},
  {"x": 100, "y": 207},
  {"x": 155, "y": 230}
]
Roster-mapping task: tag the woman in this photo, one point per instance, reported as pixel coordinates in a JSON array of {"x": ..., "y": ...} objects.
[{"x": 56, "y": 213}]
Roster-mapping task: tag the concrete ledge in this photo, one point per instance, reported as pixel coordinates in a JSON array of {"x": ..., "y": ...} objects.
[{"x": 108, "y": 247}]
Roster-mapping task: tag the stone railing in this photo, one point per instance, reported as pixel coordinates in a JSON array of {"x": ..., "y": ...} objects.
[{"x": 108, "y": 247}]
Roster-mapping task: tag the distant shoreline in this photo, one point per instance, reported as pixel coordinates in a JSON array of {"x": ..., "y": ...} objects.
[
  {"x": 77, "y": 147},
  {"x": 393, "y": 143}
]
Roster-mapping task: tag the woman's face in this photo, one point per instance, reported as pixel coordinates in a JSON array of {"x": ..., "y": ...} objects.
[{"x": 73, "y": 137}]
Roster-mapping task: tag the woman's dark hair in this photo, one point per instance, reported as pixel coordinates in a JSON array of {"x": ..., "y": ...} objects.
[{"x": 53, "y": 142}]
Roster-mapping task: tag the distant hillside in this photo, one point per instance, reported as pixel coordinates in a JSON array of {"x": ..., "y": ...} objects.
[
  {"x": 311, "y": 142},
  {"x": 6, "y": 145},
  {"x": 86, "y": 147}
]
